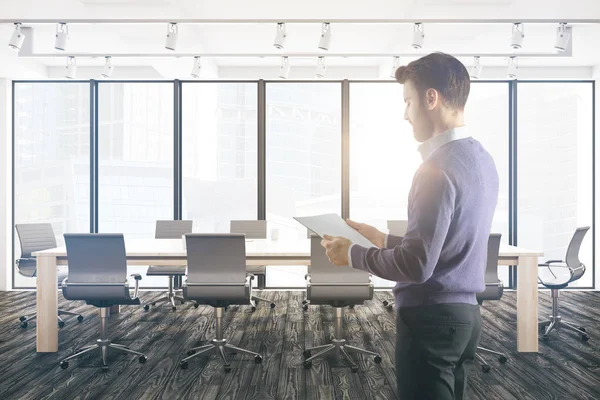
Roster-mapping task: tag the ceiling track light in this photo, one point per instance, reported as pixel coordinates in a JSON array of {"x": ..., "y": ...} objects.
[
  {"x": 284, "y": 70},
  {"x": 477, "y": 67},
  {"x": 280, "y": 37},
  {"x": 563, "y": 35},
  {"x": 17, "y": 38},
  {"x": 71, "y": 68},
  {"x": 518, "y": 34},
  {"x": 61, "y": 36},
  {"x": 418, "y": 36},
  {"x": 395, "y": 66},
  {"x": 196, "y": 68},
  {"x": 108, "y": 67},
  {"x": 325, "y": 40},
  {"x": 172, "y": 33},
  {"x": 321, "y": 68},
  {"x": 512, "y": 68}
]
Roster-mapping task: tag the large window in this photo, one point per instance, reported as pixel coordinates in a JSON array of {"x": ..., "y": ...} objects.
[
  {"x": 51, "y": 159},
  {"x": 304, "y": 167},
  {"x": 384, "y": 154},
  {"x": 135, "y": 159},
  {"x": 219, "y": 154},
  {"x": 555, "y": 168}
]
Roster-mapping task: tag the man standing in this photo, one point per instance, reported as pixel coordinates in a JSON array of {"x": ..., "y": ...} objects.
[{"x": 439, "y": 265}]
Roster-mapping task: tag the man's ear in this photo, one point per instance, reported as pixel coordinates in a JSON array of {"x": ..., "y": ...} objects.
[{"x": 432, "y": 98}]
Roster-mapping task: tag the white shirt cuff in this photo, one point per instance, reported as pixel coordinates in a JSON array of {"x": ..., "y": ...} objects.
[
  {"x": 385, "y": 240},
  {"x": 350, "y": 255}
]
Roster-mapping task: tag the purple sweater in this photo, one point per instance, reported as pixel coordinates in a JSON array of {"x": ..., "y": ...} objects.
[{"x": 442, "y": 257}]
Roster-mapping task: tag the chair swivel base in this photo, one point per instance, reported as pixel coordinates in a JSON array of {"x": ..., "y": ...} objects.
[
  {"x": 170, "y": 298},
  {"x": 219, "y": 346},
  {"x": 484, "y": 365},
  {"x": 556, "y": 322},
  {"x": 343, "y": 347},
  {"x": 25, "y": 320},
  {"x": 254, "y": 302},
  {"x": 103, "y": 345}
]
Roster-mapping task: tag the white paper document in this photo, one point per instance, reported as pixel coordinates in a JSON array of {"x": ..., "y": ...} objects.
[{"x": 334, "y": 225}]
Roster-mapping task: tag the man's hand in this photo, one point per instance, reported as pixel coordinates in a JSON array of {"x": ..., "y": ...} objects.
[
  {"x": 370, "y": 232},
  {"x": 336, "y": 248}
]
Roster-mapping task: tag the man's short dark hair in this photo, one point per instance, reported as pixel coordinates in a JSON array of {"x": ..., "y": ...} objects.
[{"x": 441, "y": 72}]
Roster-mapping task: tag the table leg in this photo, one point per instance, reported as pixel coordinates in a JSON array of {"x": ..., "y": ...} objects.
[
  {"x": 527, "y": 304},
  {"x": 47, "y": 305}
]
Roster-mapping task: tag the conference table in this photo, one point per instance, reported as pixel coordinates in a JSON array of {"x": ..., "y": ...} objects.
[{"x": 265, "y": 252}]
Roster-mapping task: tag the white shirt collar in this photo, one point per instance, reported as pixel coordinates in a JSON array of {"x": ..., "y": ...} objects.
[{"x": 428, "y": 147}]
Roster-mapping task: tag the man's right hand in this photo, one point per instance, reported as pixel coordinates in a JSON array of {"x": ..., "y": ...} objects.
[{"x": 370, "y": 232}]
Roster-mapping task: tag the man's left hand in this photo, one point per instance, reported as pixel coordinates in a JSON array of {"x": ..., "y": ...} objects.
[{"x": 336, "y": 248}]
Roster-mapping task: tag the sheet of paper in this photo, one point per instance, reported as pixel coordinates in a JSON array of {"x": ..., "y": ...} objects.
[{"x": 334, "y": 225}]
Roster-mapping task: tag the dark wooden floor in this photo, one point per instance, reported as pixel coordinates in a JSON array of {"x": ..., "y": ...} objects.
[{"x": 565, "y": 367}]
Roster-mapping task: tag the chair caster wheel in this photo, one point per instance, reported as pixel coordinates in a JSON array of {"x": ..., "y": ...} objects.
[
  {"x": 227, "y": 368},
  {"x": 303, "y": 303},
  {"x": 253, "y": 308},
  {"x": 24, "y": 325},
  {"x": 257, "y": 359},
  {"x": 142, "y": 359},
  {"x": 305, "y": 307},
  {"x": 173, "y": 308},
  {"x": 196, "y": 305},
  {"x": 153, "y": 304},
  {"x": 385, "y": 303},
  {"x": 377, "y": 359},
  {"x": 146, "y": 307},
  {"x": 581, "y": 328},
  {"x": 22, "y": 318},
  {"x": 390, "y": 307},
  {"x": 79, "y": 318},
  {"x": 585, "y": 338},
  {"x": 183, "y": 365},
  {"x": 272, "y": 305},
  {"x": 64, "y": 364},
  {"x": 354, "y": 368},
  {"x": 545, "y": 338},
  {"x": 182, "y": 302},
  {"x": 105, "y": 368},
  {"x": 502, "y": 359},
  {"x": 61, "y": 324},
  {"x": 307, "y": 354},
  {"x": 352, "y": 306},
  {"x": 191, "y": 352},
  {"x": 485, "y": 368},
  {"x": 307, "y": 364}
]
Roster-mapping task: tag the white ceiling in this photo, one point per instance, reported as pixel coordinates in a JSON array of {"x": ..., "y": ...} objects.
[{"x": 346, "y": 38}]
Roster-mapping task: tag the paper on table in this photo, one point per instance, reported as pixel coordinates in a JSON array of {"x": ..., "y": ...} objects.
[{"x": 334, "y": 225}]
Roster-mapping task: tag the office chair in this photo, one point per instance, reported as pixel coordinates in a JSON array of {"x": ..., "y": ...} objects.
[
  {"x": 254, "y": 230},
  {"x": 337, "y": 287},
  {"x": 98, "y": 275},
  {"x": 494, "y": 288},
  {"x": 217, "y": 276},
  {"x": 396, "y": 228},
  {"x": 37, "y": 237},
  {"x": 170, "y": 230},
  {"x": 562, "y": 273}
]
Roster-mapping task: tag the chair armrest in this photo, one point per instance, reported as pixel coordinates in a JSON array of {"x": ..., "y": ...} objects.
[
  {"x": 551, "y": 262},
  {"x": 26, "y": 259},
  {"x": 137, "y": 278}
]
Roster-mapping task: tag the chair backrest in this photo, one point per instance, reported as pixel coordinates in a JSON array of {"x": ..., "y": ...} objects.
[
  {"x": 397, "y": 227},
  {"x": 494, "y": 287},
  {"x": 572, "y": 257},
  {"x": 323, "y": 272},
  {"x": 252, "y": 229},
  {"x": 216, "y": 258},
  {"x": 172, "y": 229},
  {"x": 97, "y": 267},
  {"x": 35, "y": 237}
]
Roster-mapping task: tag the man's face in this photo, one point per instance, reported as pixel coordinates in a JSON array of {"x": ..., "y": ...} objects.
[{"x": 417, "y": 113}]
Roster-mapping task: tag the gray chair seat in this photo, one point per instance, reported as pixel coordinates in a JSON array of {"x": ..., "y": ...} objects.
[{"x": 166, "y": 270}]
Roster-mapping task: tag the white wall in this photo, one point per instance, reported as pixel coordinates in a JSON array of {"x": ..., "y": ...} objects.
[{"x": 5, "y": 183}]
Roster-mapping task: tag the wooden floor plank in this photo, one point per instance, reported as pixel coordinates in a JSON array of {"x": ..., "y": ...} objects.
[{"x": 565, "y": 367}]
